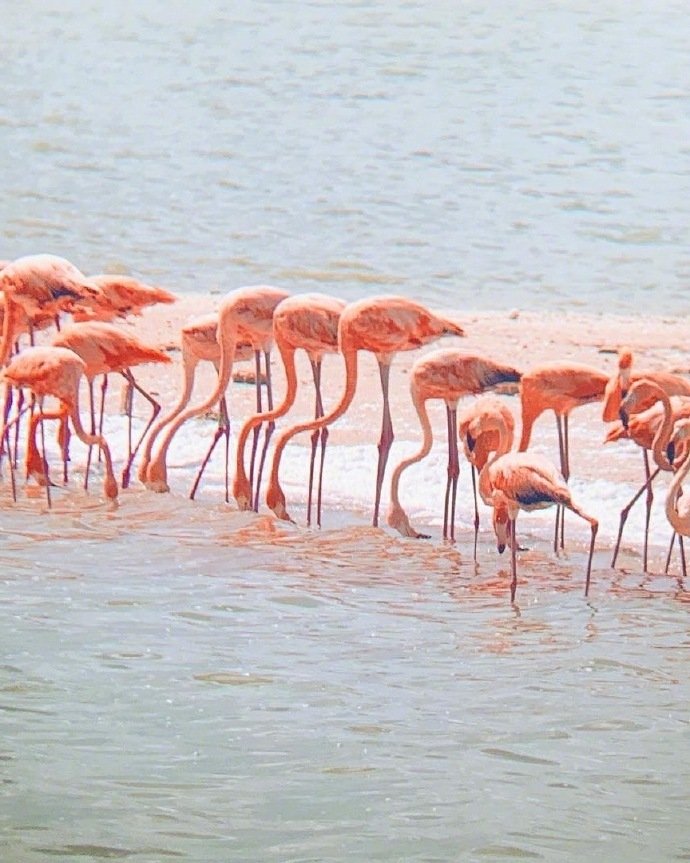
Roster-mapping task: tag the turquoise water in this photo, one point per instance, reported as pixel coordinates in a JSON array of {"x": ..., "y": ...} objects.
[
  {"x": 478, "y": 156},
  {"x": 278, "y": 695},
  {"x": 180, "y": 681}
]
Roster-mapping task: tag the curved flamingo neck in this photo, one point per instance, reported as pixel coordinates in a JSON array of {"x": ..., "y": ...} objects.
[
  {"x": 274, "y": 494},
  {"x": 427, "y": 442},
  {"x": 680, "y": 525},
  {"x": 9, "y": 325},
  {"x": 189, "y": 364},
  {"x": 663, "y": 433},
  {"x": 505, "y": 444},
  {"x": 241, "y": 483},
  {"x": 227, "y": 337},
  {"x": 109, "y": 483}
]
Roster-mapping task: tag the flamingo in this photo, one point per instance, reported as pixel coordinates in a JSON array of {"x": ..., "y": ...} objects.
[
  {"x": 449, "y": 375},
  {"x": 199, "y": 342},
  {"x": 118, "y": 296},
  {"x": 308, "y": 321},
  {"x": 560, "y": 387},
  {"x": 104, "y": 348},
  {"x": 480, "y": 437},
  {"x": 619, "y": 383},
  {"x": 383, "y": 325},
  {"x": 651, "y": 429},
  {"x": 38, "y": 285},
  {"x": 244, "y": 314},
  {"x": 511, "y": 481},
  {"x": 57, "y": 371}
]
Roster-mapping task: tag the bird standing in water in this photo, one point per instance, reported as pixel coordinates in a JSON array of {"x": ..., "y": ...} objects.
[
  {"x": 512, "y": 481},
  {"x": 310, "y": 322},
  {"x": 56, "y": 371},
  {"x": 382, "y": 325},
  {"x": 447, "y": 375},
  {"x": 560, "y": 387},
  {"x": 104, "y": 348},
  {"x": 245, "y": 314}
]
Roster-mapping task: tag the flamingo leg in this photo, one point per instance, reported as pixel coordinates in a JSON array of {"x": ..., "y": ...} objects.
[
  {"x": 92, "y": 408},
  {"x": 269, "y": 428},
  {"x": 453, "y": 472},
  {"x": 223, "y": 429},
  {"x": 681, "y": 546},
  {"x": 560, "y": 516},
  {"x": 476, "y": 510},
  {"x": 20, "y": 405},
  {"x": 155, "y": 410},
  {"x": 104, "y": 387},
  {"x": 6, "y": 410},
  {"x": 44, "y": 460},
  {"x": 594, "y": 524},
  {"x": 259, "y": 410},
  {"x": 225, "y": 419},
  {"x": 318, "y": 413},
  {"x": 670, "y": 552},
  {"x": 648, "y": 510},
  {"x": 386, "y": 440},
  {"x": 513, "y": 559},
  {"x": 625, "y": 512},
  {"x": 63, "y": 440}
]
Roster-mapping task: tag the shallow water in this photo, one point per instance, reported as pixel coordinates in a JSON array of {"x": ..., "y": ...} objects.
[
  {"x": 183, "y": 681},
  {"x": 180, "y": 681}
]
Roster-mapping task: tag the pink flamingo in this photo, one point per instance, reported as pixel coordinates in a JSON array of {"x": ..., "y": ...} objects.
[
  {"x": 479, "y": 435},
  {"x": 119, "y": 296},
  {"x": 383, "y": 325},
  {"x": 310, "y": 322},
  {"x": 512, "y": 481},
  {"x": 651, "y": 429},
  {"x": 54, "y": 371},
  {"x": 198, "y": 343},
  {"x": 104, "y": 348},
  {"x": 447, "y": 375},
  {"x": 560, "y": 387},
  {"x": 244, "y": 314}
]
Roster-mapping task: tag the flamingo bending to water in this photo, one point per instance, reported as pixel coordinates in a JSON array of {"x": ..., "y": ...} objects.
[
  {"x": 447, "y": 375},
  {"x": 382, "y": 325}
]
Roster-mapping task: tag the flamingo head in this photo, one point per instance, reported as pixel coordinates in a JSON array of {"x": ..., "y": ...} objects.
[
  {"x": 501, "y": 522},
  {"x": 242, "y": 493},
  {"x": 156, "y": 479},
  {"x": 275, "y": 500}
]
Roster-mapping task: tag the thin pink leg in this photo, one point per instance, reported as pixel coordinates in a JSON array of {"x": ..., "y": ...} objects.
[
  {"x": 155, "y": 410},
  {"x": 269, "y": 428},
  {"x": 259, "y": 410},
  {"x": 453, "y": 473},
  {"x": 648, "y": 511},
  {"x": 89, "y": 453},
  {"x": 476, "y": 510},
  {"x": 386, "y": 439},
  {"x": 223, "y": 429},
  {"x": 318, "y": 413},
  {"x": 513, "y": 560},
  {"x": 625, "y": 512},
  {"x": 44, "y": 460}
]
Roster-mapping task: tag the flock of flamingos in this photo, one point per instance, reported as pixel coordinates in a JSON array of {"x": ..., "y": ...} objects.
[{"x": 651, "y": 408}]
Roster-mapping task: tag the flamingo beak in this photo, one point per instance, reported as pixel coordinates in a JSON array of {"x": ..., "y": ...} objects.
[
  {"x": 471, "y": 442},
  {"x": 501, "y": 546},
  {"x": 623, "y": 414},
  {"x": 671, "y": 451}
]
